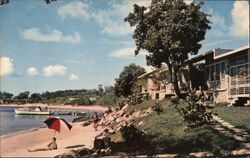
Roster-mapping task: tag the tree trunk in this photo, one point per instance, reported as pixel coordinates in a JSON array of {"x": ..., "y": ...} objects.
[
  {"x": 174, "y": 79},
  {"x": 175, "y": 83}
]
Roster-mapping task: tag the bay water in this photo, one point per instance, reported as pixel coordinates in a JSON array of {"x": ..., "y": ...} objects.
[{"x": 11, "y": 123}]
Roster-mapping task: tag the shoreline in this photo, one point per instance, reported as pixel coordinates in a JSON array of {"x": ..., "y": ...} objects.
[
  {"x": 16, "y": 144},
  {"x": 70, "y": 107}
]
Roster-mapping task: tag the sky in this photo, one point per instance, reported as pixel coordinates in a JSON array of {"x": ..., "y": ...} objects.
[{"x": 76, "y": 44}]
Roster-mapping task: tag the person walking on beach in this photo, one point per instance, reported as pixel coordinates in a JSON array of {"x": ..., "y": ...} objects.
[
  {"x": 95, "y": 120},
  {"x": 50, "y": 146}
]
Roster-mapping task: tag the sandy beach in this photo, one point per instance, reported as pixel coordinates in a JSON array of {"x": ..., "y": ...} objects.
[{"x": 16, "y": 145}]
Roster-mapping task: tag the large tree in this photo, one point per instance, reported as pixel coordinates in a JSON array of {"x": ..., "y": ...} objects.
[
  {"x": 169, "y": 30},
  {"x": 127, "y": 78},
  {"x": 35, "y": 97},
  {"x": 23, "y": 95}
]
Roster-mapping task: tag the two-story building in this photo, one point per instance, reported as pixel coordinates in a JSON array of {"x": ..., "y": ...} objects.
[
  {"x": 227, "y": 75},
  {"x": 225, "y": 78}
]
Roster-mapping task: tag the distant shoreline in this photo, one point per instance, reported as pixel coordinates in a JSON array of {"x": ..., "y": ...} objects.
[{"x": 87, "y": 107}]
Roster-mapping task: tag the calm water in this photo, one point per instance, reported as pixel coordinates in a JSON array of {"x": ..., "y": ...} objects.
[{"x": 9, "y": 122}]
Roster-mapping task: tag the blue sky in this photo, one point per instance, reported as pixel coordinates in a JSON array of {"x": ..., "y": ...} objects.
[{"x": 80, "y": 44}]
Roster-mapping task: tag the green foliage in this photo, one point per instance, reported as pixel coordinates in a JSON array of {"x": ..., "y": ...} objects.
[
  {"x": 195, "y": 114},
  {"x": 158, "y": 108},
  {"x": 108, "y": 99},
  {"x": 81, "y": 101},
  {"x": 170, "y": 30},
  {"x": 35, "y": 97},
  {"x": 23, "y": 95},
  {"x": 167, "y": 132},
  {"x": 131, "y": 135},
  {"x": 5, "y": 95},
  {"x": 126, "y": 81},
  {"x": 237, "y": 116}
]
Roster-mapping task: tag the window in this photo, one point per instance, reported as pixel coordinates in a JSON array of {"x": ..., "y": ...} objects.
[
  {"x": 238, "y": 60},
  {"x": 157, "y": 96},
  {"x": 223, "y": 70},
  {"x": 212, "y": 73},
  {"x": 233, "y": 71},
  {"x": 217, "y": 72},
  {"x": 207, "y": 73}
]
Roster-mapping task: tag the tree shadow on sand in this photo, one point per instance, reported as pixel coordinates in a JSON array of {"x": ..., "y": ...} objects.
[{"x": 74, "y": 146}]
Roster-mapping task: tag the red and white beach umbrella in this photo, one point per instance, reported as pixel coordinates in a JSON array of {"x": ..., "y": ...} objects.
[{"x": 57, "y": 124}]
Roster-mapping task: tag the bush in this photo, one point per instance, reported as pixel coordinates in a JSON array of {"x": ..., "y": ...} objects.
[
  {"x": 132, "y": 135},
  {"x": 158, "y": 108},
  {"x": 196, "y": 113},
  {"x": 108, "y": 99}
]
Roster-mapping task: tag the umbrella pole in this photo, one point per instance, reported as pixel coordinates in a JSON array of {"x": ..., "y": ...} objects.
[{"x": 54, "y": 133}]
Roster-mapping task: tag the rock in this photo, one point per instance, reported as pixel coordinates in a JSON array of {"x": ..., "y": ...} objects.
[
  {"x": 120, "y": 113},
  {"x": 106, "y": 151},
  {"x": 86, "y": 123},
  {"x": 118, "y": 120},
  {"x": 102, "y": 142},
  {"x": 136, "y": 114},
  {"x": 140, "y": 123},
  {"x": 146, "y": 112},
  {"x": 111, "y": 131},
  {"x": 124, "y": 107},
  {"x": 84, "y": 151},
  {"x": 69, "y": 154}
]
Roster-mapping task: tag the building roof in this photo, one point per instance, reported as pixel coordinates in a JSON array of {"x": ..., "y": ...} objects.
[
  {"x": 152, "y": 72},
  {"x": 217, "y": 53},
  {"x": 231, "y": 52},
  {"x": 147, "y": 74}
]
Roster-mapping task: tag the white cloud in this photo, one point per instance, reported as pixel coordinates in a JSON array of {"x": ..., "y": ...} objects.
[
  {"x": 240, "y": 17},
  {"x": 6, "y": 66},
  {"x": 73, "y": 77},
  {"x": 126, "y": 53},
  {"x": 219, "y": 28},
  {"x": 32, "y": 71},
  {"x": 110, "y": 20},
  {"x": 55, "y": 35},
  {"x": 52, "y": 70},
  {"x": 74, "y": 9}
]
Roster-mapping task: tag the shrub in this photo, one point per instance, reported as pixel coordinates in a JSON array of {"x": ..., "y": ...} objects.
[
  {"x": 196, "y": 113},
  {"x": 132, "y": 135},
  {"x": 158, "y": 108}
]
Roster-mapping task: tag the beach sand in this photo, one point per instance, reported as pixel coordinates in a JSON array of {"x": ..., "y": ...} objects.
[{"x": 16, "y": 145}]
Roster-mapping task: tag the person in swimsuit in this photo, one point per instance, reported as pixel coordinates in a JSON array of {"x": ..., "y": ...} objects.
[{"x": 50, "y": 146}]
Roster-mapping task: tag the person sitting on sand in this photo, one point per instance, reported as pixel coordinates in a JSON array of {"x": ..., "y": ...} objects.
[{"x": 50, "y": 146}]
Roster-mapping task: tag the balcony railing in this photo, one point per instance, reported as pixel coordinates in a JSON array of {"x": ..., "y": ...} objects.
[{"x": 216, "y": 84}]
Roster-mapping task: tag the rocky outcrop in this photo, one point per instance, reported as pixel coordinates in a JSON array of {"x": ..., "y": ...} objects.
[{"x": 69, "y": 154}]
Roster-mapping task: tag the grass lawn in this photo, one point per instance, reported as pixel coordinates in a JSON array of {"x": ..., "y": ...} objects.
[
  {"x": 237, "y": 116},
  {"x": 166, "y": 133}
]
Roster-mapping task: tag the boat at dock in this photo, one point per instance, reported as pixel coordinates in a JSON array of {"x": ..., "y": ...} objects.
[{"x": 32, "y": 111}]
